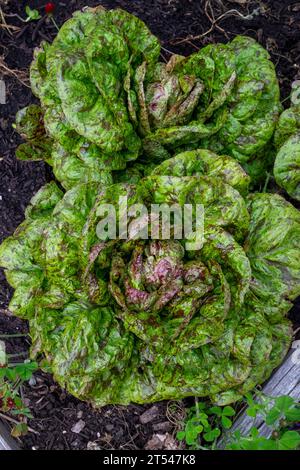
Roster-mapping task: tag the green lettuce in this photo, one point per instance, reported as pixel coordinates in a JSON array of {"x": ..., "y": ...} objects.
[
  {"x": 83, "y": 82},
  {"x": 287, "y": 162},
  {"x": 232, "y": 107},
  {"x": 107, "y": 100},
  {"x": 140, "y": 320}
]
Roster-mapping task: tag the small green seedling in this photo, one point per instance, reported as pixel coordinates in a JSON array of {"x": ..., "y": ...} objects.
[
  {"x": 12, "y": 377},
  {"x": 281, "y": 414},
  {"x": 32, "y": 15},
  {"x": 204, "y": 425}
]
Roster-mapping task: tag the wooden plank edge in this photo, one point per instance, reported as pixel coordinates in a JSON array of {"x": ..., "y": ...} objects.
[
  {"x": 6, "y": 441},
  {"x": 285, "y": 380}
]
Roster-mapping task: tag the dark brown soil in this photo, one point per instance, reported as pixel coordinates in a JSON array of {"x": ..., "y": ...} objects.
[{"x": 275, "y": 24}]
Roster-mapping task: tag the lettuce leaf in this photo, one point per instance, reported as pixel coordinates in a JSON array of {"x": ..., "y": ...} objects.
[{"x": 287, "y": 162}]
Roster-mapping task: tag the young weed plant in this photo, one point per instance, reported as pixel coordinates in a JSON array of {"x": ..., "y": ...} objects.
[
  {"x": 205, "y": 424},
  {"x": 12, "y": 377},
  {"x": 280, "y": 414}
]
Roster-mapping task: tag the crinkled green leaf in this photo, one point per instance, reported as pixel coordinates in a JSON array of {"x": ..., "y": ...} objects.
[
  {"x": 288, "y": 125},
  {"x": 274, "y": 254},
  {"x": 254, "y": 103},
  {"x": 287, "y": 141},
  {"x": 204, "y": 162},
  {"x": 287, "y": 166}
]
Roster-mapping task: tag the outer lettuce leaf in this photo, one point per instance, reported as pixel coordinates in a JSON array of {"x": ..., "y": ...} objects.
[
  {"x": 287, "y": 162},
  {"x": 29, "y": 124},
  {"x": 67, "y": 167},
  {"x": 274, "y": 254},
  {"x": 123, "y": 321},
  {"x": 288, "y": 125},
  {"x": 272, "y": 247},
  {"x": 20, "y": 254},
  {"x": 287, "y": 166},
  {"x": 84, "y": 344}
]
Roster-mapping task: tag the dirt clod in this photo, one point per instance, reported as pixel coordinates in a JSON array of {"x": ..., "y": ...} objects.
[{"x": 149, "y": 415}]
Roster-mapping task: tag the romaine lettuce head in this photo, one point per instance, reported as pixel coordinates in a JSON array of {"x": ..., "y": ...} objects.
[
  {"x": 106, "y": 99},
  {"x": 139, "y": 320},
  {"x": 83, "y": 81},
  {"x": 224, "y": 96}
]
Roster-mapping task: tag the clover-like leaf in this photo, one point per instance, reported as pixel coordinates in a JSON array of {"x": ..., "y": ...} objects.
[
  {"x": 226, "y": 422},
  {"x": 26, "y": 370},
  {"x": 289, "y": 440},
  {"x": 212, "y": 435}
]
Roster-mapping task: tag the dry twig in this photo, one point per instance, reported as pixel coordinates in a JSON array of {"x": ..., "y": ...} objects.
[
  {"x": 214, "y": 22},
  {"x": 6, "y": 26},
  {"x": 20, "y": 75},
  {"x": 15, "y": 421}
]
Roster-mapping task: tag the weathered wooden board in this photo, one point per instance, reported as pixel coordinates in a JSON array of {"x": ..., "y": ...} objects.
[
  {"x": 6, "y": 441},
  {"x": 284, "y": 381}
]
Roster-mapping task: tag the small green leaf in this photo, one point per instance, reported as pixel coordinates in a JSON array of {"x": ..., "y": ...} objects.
[
  {"x": 212, "y": 435},
  {"x": 254, "y": 432},
  {"x": 226, "y": 422},
  {"x": 192, "y": 431},
  {"x": 203, "y": 419},
  {"x": 20, "y": 429},
  {"x": 215, "y": 410},
  {"x": 180, "y": 435},
  {"x": 11, "y": 373},
  {"x": 26, "y": 370},
  {"x": 293, "y": 414},
  {"x": 194, "y": 421},
  {"x": 228, "y": 411},
  {"x": 190, "y": 438},
  {"x": 201, "y": 405},
  {"x": 205, "y": 423},
  {"x": 289, "y": 440},
  {"x": 273, "y": 416},
  {"x": 266, "y": 444},
  {"x": 32, "y": 14},
  {"x": 233, "y": 446},
  {"x": 18, "y": 402},
  {"x": 284, "y": 402},
  {"x": 249, "y": 399},
  {"x": 252, "y": 411},
  {"x": 3, "y": 372},
  {"x": 22, "y": 411}
]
